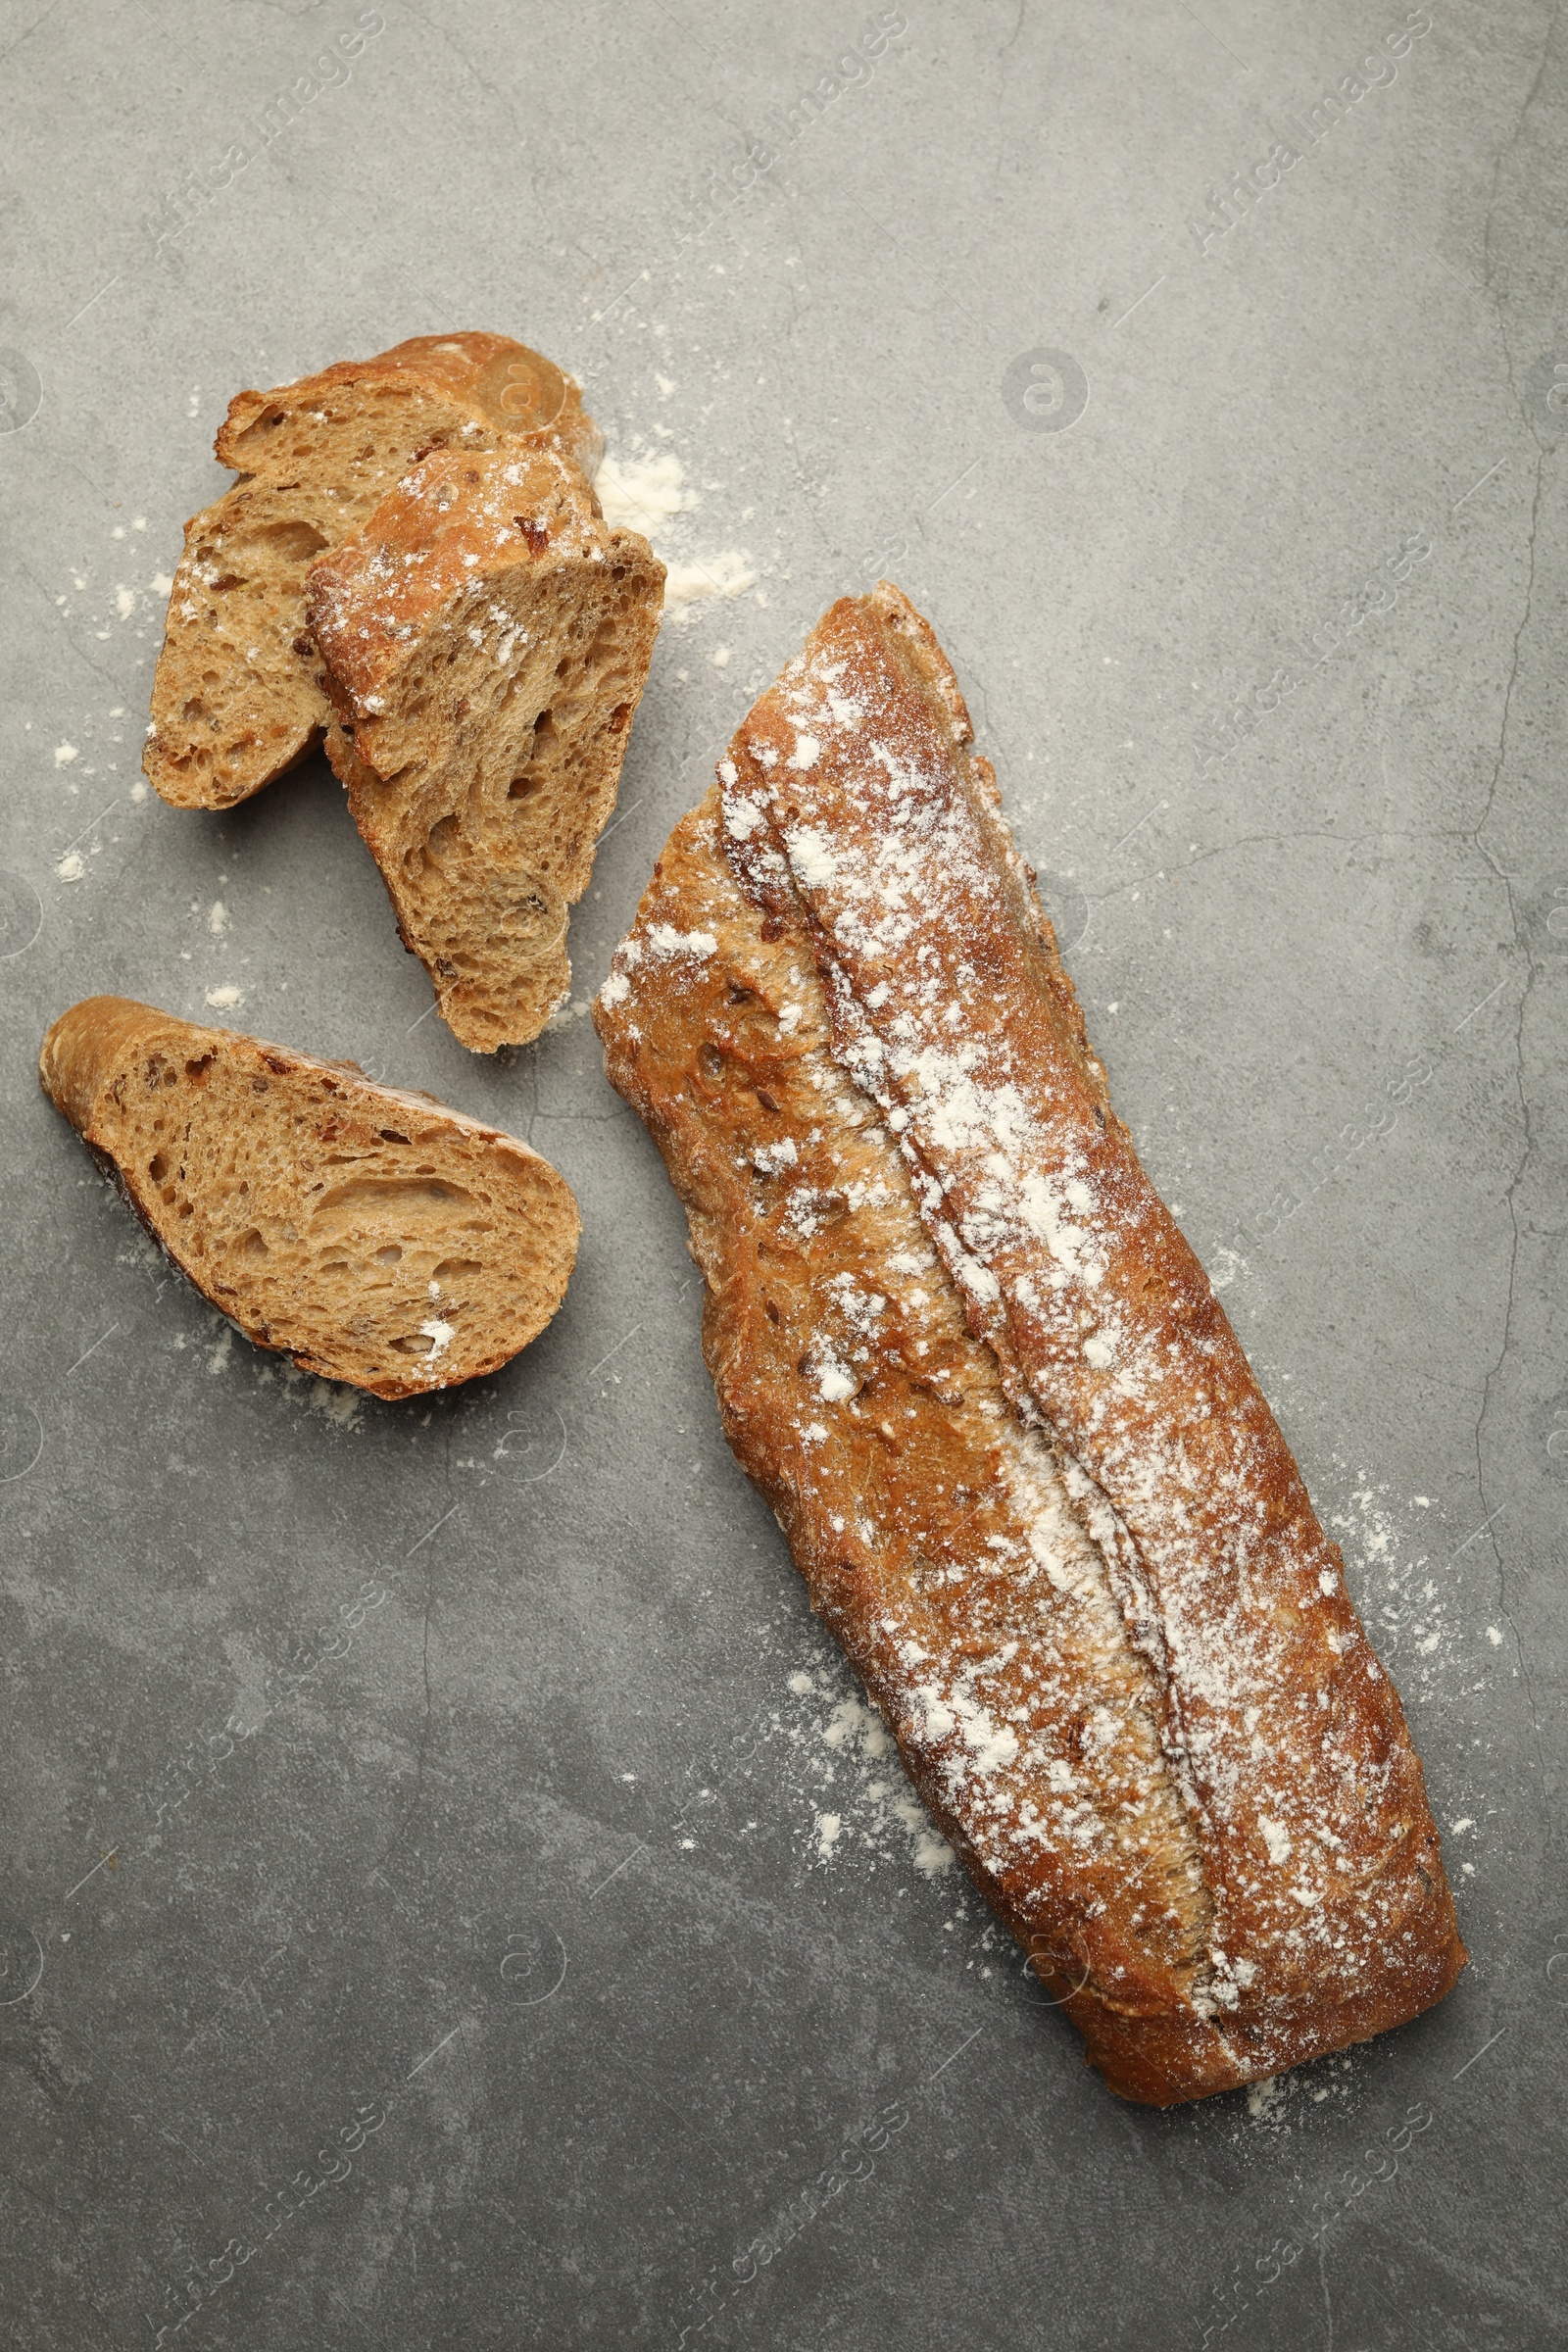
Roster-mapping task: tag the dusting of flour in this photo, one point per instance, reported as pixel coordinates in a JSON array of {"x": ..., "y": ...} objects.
[
  {"x": 646, "y": 490},
  {"x": 859, "y": 1800},
  {"x": 853, "y": 1813},
  {"x": 1405, "y": 1599}
]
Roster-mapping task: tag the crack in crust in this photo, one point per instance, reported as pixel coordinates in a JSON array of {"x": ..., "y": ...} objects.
[
  {"x": 872, "y": 857},
  {"x": 933, "y": 1528}
]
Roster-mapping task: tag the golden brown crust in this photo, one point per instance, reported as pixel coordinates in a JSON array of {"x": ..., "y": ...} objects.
[
  {"x": 873, "y": 849},
  {"x": 486, "y": 638},
  {"x": 370, "y": 1232},
  {"x": 456, "y": 524},
  {"x": 502, "y": 384},
  {"x": 934, "y": 1532},
  {"x": 237, "y": 695}
]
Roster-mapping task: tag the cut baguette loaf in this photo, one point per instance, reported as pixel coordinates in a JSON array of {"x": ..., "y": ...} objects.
[
  {"x": 1020, "y": 1459},
  {"x": 237, "y": 695},
  {"x": 373, "y": 1234},
  {"x": 486, "y": 639}
]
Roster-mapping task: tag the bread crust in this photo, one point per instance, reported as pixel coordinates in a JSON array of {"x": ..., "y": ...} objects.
[
  {"x": 458, "y": 522},
  {"x": 481, "y": 577},
  {"x": 231, "y": 712},
  {"x": 516, "y": 392},
  {"x": 869, "y": 840},
  {"x": 122, "y": 1074}
]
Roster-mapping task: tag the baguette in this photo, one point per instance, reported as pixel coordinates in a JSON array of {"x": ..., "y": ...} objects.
[
  {"x": 373, "y": 1234},
  {"x": 237, "y": 696},
  {"x": 486, "y": 639},
  {"x": 1019, "y": 1454}
]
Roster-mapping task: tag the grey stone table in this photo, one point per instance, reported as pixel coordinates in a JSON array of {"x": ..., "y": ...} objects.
[{"x": 453, "y": 1891}]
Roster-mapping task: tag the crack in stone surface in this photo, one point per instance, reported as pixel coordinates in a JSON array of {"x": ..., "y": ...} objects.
[
  {"x": 1522, "y": 1163},
  {"x": 424, "y": 1728},
  {"x": 1499, "y": 299}
]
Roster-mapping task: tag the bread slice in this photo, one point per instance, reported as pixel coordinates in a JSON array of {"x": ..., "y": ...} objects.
[
  {"x": 1019, "y": 1455},
  {"x": 237, "y": 696},
  {"x": 486, "y": 639},
  {"x": 373, "y": 1234}
]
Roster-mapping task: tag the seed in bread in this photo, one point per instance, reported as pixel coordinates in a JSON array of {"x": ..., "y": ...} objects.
[
  {"x": 486, "y": 641},
  {"x": 373, "y": 1234},
  {"x": 237, "y": 696},
  {"x": 841, "y": 1011}
]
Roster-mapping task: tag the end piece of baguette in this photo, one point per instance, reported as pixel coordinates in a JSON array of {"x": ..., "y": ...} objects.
[
  {"x": 375, "y": 1236},
  {"x": 237, "y": 696},
  {"x": 486, "y": 641},
  {"x": 1022, "y": 1463}
]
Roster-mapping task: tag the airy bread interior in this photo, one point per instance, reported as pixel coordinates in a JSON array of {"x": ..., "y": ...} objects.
[
  {"x": 237, "y": 695},
  {"x": 375, "y": 1236},
  {"x": 487, "y": 640}
]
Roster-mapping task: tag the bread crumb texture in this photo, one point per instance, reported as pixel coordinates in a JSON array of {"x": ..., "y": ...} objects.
[
  {"x": 486, "y": 640},
  {"x": 374, "y": 1235},
  {"x": 961, "y": 1346},
  {"x": 237, "y": 694}
]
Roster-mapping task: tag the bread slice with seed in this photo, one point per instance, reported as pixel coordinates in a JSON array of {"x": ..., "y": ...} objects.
[
  {"x": 237, "y": 696},
  {"x": 486, "y": 639},
  {"x": 375, "y": 1236}
]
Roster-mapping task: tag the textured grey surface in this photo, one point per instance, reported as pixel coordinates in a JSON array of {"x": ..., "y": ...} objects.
[{"x": 444, "y": 1786}]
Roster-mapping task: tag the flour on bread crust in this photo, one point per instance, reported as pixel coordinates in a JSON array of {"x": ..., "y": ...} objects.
[
  {"x": 237, "y": 694},
  {"x": 486, "y": 638},
  {"x": 1302, "y": 1902}
]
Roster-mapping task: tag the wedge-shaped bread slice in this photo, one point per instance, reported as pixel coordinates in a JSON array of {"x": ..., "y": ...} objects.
[
  {"x": 237, "y": 695},
  {"x": 486, "y": 639},
  {"x": 373, "y": 1235}
]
